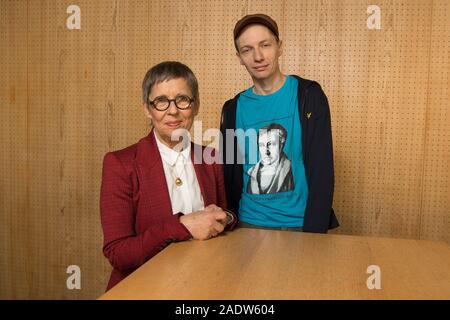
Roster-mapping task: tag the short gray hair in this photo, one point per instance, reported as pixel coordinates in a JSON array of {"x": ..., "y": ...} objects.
[{"x": 169, "y": 70}]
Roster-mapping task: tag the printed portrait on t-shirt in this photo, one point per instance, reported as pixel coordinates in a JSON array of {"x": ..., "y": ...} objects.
[{"x": 273, "y": 172}]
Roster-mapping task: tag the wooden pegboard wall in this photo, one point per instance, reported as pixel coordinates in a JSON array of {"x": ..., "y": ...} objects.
[{"x": 67, "y": 97}]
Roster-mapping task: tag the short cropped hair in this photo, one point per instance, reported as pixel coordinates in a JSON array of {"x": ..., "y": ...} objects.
[{"x": 169, "y": 70}]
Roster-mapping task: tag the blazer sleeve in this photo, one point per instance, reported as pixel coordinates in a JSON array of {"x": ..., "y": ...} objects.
[{"x": 125, "y": 249}]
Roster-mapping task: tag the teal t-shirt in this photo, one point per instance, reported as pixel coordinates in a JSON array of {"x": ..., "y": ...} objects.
[{"x": 269, "y": 136}]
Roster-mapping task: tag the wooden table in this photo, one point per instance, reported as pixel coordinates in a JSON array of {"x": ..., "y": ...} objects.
[{"x": 266, "y": 264}]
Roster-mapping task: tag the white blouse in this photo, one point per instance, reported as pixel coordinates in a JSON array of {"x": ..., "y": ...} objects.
[{"x": 185, "y": 197}]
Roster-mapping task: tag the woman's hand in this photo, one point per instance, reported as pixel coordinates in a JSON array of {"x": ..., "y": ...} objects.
[{"x": 206, "y": 223}]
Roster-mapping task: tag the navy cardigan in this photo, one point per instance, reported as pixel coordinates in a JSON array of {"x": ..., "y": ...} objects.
[{"x": 317, "y": 156}]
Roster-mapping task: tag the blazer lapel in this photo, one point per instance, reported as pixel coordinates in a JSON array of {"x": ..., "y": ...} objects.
[{"x": 152, "y": 179}]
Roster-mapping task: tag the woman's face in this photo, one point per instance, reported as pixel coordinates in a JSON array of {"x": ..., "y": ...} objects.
[{"x": 171, "y": 120}]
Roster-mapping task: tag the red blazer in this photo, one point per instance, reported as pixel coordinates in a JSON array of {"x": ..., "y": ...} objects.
[{"x": 136, "y": 212}]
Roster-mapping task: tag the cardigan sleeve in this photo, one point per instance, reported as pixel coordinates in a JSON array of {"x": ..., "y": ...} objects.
[
  {"x": 221, "y": 196},
  {"x": 125, "y": 249},
  {"x": 321, "y": 169}
]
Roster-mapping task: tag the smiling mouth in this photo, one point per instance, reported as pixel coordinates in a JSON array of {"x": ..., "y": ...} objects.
[
  {"x": 260, "y": 68},
  {"x": 173, "y": 124}
]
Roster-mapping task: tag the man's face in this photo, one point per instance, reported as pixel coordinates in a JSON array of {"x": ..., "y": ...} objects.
[
  {"x": 259, "y": 51},
  {"x": 269, "y": 147}
]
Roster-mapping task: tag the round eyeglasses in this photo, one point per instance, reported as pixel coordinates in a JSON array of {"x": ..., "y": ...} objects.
[{"x": 162, "y": 103}]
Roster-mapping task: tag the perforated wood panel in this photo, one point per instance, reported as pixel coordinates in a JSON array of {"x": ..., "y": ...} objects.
[
  {"x": 69, "y": 96},
  {"x": 435, "y": 195},
  {"x": 13, "y": 157}
]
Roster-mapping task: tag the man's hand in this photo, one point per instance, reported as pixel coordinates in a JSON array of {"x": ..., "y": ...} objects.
[{"x": 206, "y": 223}]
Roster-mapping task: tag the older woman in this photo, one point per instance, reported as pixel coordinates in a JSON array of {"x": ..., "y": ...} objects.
[{"x": 152, "y": 192}]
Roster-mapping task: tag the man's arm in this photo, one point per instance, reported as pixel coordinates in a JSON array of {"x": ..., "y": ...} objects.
[
  {"x": 225, "y": 123},
  {"x": 320, "y": 216}
]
